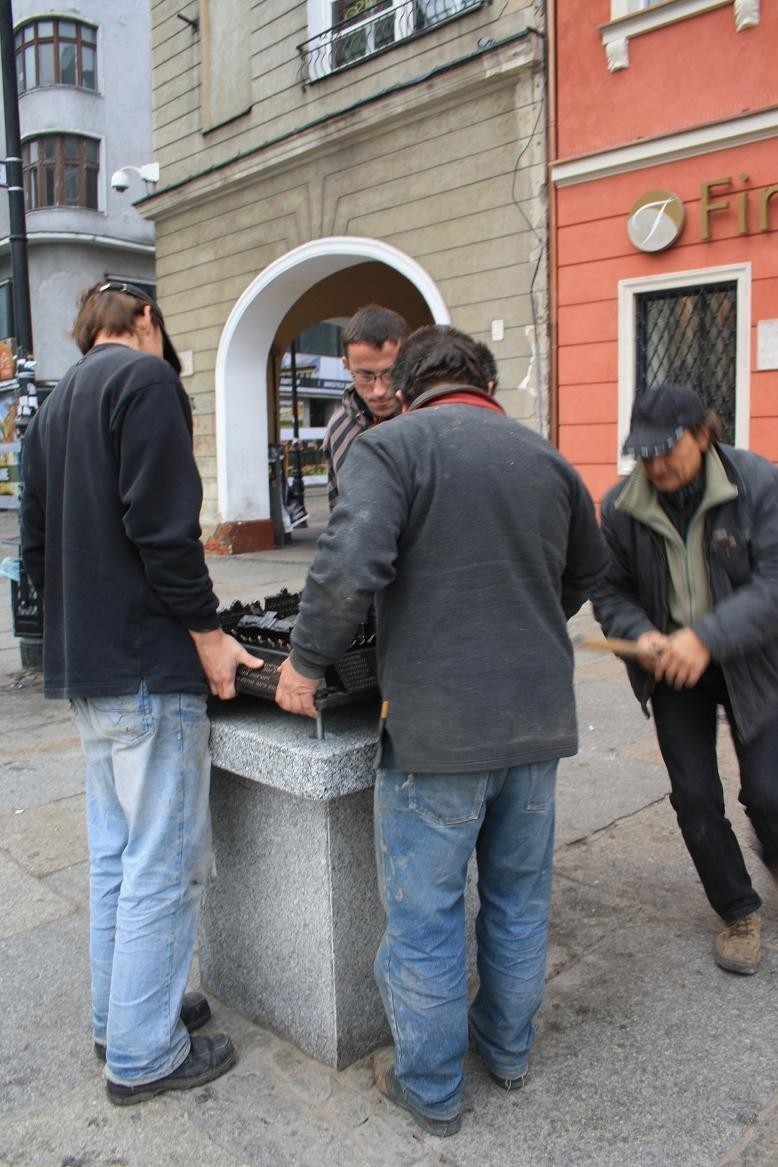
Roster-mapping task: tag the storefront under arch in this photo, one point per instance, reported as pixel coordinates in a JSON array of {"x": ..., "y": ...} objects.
[{"x": 320, "y": 279}]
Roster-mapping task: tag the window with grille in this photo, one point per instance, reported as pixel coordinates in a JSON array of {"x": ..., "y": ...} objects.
[
  {"x": 689, "y": 335},
  {"x": 61, "y": 170},
  {"x": 362, "y": 28},
  {"x": 56, "y": 52}
]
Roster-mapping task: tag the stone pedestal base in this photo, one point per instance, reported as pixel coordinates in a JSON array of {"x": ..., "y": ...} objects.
[{"x": 292, "y": 922}]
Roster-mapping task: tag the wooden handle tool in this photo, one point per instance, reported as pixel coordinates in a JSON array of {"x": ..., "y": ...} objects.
[{"x": 612, "y": 644}]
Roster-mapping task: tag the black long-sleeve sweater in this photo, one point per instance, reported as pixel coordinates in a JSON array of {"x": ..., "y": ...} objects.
[{"x": 111, "y": 531}]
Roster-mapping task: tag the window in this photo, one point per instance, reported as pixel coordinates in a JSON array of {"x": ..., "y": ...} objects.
[
  {"x": 56, "y": 52},
  {"x": 361, "y": 28},
  {"x": 60, "y": 170},
  {"x": 691, "y": 326},
  {"x": 689, "y": 335}
]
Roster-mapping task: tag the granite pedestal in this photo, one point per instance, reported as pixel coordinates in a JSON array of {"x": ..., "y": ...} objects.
[{"x": 292, "y": 921}]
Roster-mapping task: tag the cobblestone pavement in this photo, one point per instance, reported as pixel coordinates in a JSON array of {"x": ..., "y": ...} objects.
[{"x": 647, "y": 1055}]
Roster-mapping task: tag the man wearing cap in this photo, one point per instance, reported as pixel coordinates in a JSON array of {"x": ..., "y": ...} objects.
[
  {"x": 111, "y": 539},
  {"x": 693, "y": 580}
]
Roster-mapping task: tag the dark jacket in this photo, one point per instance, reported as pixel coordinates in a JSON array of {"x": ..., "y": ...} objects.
[
  {"x": 741, "y": 629},
  {"x": 110, "y": 529},
  {"x": 479, "y": 540}
]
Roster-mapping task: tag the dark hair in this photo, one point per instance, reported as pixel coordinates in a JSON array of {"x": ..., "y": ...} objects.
[
  {"x": 375, "y": 326},
  {"x": 711, "y": 426},
  {"x": 438, "y": 354},
  {"x": 488, "y": 363},
  {"x": 110, "y": 308}
]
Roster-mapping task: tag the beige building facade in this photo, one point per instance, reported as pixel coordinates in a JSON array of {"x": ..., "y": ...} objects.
[{"x": 318, "y": 156}]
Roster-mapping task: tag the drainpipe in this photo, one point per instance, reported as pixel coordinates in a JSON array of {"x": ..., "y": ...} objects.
[{"x": 553, "y": 306}]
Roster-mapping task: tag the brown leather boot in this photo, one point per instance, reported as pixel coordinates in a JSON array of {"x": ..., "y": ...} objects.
[{"x": 738, "y": 948}]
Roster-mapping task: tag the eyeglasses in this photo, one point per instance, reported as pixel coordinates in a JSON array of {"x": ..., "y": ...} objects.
[
  {"x": 128, "y": 290},
  {"x": 366, "y": 379}
]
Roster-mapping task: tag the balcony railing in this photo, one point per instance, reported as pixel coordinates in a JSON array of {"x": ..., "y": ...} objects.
[{"x": 371, "y": 27}]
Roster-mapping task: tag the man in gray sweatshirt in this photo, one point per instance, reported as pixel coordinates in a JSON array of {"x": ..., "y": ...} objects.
[{"x": 478, "y": 541}]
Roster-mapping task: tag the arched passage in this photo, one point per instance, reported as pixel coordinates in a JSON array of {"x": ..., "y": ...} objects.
[{"x": 241, "y": 378}]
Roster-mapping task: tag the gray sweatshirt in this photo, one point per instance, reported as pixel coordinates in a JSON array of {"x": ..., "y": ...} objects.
[{"x": 477, "y": 540}]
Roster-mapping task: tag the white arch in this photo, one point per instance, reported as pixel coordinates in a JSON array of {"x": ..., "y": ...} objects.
[{"x": 241, "y": 359}]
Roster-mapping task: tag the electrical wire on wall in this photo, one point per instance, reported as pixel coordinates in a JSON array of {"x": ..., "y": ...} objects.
[{"x": 542, "y": 251}]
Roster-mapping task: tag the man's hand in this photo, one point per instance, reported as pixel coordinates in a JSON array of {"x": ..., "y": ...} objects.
[
  {"x": 650, "y": 647},
  {"x": 683, "y": 660},
  {"x": 295, "y": 692},
  {"x": 220, "y": 656}
]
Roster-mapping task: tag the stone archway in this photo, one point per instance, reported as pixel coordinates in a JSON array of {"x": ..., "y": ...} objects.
[{"x": 241, "y": 386}]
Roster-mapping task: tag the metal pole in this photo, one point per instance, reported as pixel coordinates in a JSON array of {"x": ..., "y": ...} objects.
[
  {"x": 296, "y": 492},
  {"x": 28, "y": 607},
  {"x": 17, "y": 223}
]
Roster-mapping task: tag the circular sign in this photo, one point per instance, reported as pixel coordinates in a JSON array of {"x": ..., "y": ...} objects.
[{"x": 655, "y": 221}]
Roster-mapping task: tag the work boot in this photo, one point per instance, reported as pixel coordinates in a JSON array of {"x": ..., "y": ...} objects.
[
  {"x": 507, "y": 1083},
  {"x": 208, "y": 1058},
  {"x": 738, "y": 948},
  {"x": 386, "y": 1081},
  {"x": 195, "y": 1012}
]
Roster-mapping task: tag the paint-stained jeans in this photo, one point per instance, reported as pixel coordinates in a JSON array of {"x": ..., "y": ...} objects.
[
  {"x": 426, "y": 828},
  {"x": 148, "y": 819}
]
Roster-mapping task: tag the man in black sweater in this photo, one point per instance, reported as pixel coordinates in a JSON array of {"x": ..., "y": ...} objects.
[
  {"x": 111, "y": 540},
  {"x": 478, "y": 541}
]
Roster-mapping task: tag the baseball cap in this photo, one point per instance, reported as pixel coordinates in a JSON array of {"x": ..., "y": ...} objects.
[
  {"x": 168, "y": 351},
  {"x": 659, "y": 418}
]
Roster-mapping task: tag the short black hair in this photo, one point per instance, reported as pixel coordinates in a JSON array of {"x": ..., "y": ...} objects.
[
  {"x": 488, "y": 363},
  {"x": 438, "y": 354},
  {"x": 375, "y": 326}
]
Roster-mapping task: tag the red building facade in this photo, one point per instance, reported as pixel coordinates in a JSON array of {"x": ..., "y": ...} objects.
[{"x": 664, "y": 209}]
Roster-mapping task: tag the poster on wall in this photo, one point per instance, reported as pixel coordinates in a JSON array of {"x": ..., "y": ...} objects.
[{"x": 9, "y": 443}]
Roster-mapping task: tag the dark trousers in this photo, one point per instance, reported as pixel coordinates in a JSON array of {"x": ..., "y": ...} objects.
[{"x": 686, "y": 721}]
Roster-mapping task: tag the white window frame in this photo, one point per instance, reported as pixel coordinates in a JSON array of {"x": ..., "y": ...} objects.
[
  {"x": 319, "y": 14},
  {"x": 629, "y": 290},
  {"x": 631, "y": 18},
  {"x": 320, "y": 19}
]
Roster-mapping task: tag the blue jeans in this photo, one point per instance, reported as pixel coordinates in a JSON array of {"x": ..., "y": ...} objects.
[
  {"x": 426, "y": 828},
  {"x": 148, "y": 820}
]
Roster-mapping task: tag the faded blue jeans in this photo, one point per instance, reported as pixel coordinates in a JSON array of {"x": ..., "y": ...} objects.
[
  {"x": 426, "y": 828},
  {"x": 149, "y": 826}
]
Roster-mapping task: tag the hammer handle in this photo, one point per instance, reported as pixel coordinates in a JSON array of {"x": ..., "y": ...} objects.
[{"x": 612, "y": 644}]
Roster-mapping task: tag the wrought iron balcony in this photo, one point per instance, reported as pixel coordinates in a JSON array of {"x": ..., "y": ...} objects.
[{"x": 369, "y": 27}]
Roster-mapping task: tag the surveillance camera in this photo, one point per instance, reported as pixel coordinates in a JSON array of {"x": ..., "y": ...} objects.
[{"x": 120, "y": 180}]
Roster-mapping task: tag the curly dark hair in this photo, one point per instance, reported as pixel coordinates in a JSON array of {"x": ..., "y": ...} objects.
[{"x": 438, "y": 354}]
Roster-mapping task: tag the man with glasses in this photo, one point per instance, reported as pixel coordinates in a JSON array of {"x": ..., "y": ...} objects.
[
  {"x": 111, "y": 539},
  {"x": 371, "y": 341}
]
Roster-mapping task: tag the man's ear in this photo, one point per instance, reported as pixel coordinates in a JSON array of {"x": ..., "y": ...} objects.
[
  {"x": 345, "y": 363},
  {"x": 144, "y": 323}
]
